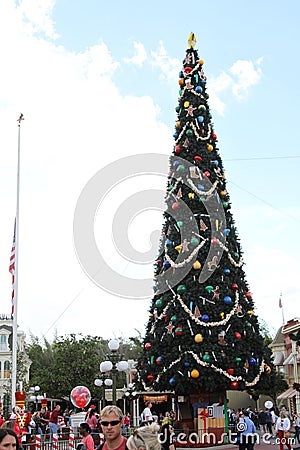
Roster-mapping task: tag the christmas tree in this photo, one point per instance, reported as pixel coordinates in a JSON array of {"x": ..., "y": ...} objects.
[{"x": 203, "y": 334}]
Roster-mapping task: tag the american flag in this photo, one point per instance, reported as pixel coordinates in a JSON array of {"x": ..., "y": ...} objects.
[{"x": 12, "y": 269}]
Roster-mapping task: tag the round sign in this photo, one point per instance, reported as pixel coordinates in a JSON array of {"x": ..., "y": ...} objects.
[{"x": 268, "y": 404}]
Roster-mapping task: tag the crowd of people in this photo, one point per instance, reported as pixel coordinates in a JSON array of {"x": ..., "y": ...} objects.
[
  {"x": 109, "y": 430},
  {"x": 246, "y": 425}
]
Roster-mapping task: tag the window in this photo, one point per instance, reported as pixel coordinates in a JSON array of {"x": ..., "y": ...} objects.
[
  {"x": 6, "y": 369},
  {"x": 3, "y": 342}
]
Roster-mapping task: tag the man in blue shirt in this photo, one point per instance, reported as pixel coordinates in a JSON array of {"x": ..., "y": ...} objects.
[{"x": 248, "y": 432}]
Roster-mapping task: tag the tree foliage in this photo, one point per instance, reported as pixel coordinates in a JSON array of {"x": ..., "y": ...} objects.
[{"x": 71, "y": 361}]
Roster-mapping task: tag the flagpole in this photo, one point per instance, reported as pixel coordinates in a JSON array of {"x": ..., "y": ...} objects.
[
  {"x": 281, "y": 306},
  {"x": 16, "y": 278}
]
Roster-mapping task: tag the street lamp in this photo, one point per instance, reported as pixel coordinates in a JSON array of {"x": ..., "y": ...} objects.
[
  {"x": 35, "y": 398},
  {"x": 103, "y": 382},
  {"x": 130, "y": 395},
  {"x": 114, "y": 364}
]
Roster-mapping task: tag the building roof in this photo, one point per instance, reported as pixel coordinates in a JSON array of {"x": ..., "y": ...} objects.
[
  {"x": 279, "y": 338},
  {"x": 287, "y": 394}
]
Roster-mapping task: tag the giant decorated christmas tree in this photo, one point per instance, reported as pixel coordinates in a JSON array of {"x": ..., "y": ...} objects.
[{"x": 203, "y": 334}]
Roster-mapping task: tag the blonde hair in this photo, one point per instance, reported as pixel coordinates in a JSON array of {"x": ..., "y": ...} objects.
[
  {"x": 145, "y": 438},
  {"x": 111, "y": 409}
]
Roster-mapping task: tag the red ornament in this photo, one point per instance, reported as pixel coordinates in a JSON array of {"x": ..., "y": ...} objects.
[
  {"x": 214, "y": 136},
  {"x": 166, "y": 318},
  {"x": 178, "y": 331},
  {"x": 188, "y": 69},
  {"x": 248, "y": 294},
  {"x": 234, "y": 287},
  {"x": 175, "y": 206},
  {"x": 150, "y": 377},
  {"x": 177, "y": 149},
  {"x": 237, "y": 335},
  {"x": 214, "y": 241},
  {"x": 234, "y": 385},
  {"x": 197, "y": 158},
  {"x": 206, "y": 174},
  {"x": 230, "y": 371},
  {"x": 147, "y": 345}
]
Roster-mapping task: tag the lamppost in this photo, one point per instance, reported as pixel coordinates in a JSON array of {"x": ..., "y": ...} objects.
[
  {"x": 34, "y": 397},
  {"x": 103, "y": 382},
  {"x": 114, "y": 364},
  {"x": 130, "y": 395}
]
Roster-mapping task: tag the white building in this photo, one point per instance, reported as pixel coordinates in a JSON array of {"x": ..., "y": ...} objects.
[{"x": 6, "y": 328}]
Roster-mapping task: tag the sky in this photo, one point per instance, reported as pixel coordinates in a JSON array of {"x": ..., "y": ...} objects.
[{"x": 97, "y": 83}]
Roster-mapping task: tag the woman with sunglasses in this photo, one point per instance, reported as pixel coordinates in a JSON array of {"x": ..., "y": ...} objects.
[{"x": 111, "y": 421}]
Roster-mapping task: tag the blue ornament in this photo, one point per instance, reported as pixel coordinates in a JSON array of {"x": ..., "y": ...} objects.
[
  {"x": 252, "y": 361},
  {"x": 175, "y": 163},
  {"x": 180, "y": 75},
  {"x": 227, "y": 300},
  {"x": 200, "y": 119},
  {"x": 169, "y": 242},
  {"x": 203, "y": 81},
  {"x": 159, "y": 360},
  {"x": 227, "y": 231},
  {"x": 200, "y": 187},
  {"x": 227, "y": 271},
  {"x": 172, "y": 381},
  {"x": 216, "y": 163},
  {"x": 166, "y": 264},
  {"x": 205, "y": 318},
  {"x": 198, "y": 89},
  {"x": 186, "y": 364},
  {"x": 175, "y": 135}
]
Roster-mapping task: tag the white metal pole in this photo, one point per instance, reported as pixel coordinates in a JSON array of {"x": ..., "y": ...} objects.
[{"x": 15, "y": 314}]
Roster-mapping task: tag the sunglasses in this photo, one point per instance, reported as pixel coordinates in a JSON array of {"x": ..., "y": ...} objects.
[{"x": 113, "y": 423}]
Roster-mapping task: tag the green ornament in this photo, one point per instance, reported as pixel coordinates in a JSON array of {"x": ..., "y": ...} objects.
[
  {"x": 180, "y": 92},
  {"x": 180, "y": 168},
  {"x": 206, "y": 357},
  {"x": 173, "y": 318},
  {"x": 177, "y": 109},
  {"x": 159, "y": 303},
  {"x": 206, "y": 95},
  {"x": 210, "y": 116},
  {"x": 181, "y": 289},
  {"x": 171, "y": 188},
  {"x": 209, "y": 288},
  {"x": 179, "y": 223},
  {"x": 225, "y": 204},
  {"x": 238, "y": 361},
  {"x": 189, "y": 132},
  {"x": 194, "y": 241},
  {"x": 248, "y": 324},
  {"x": 152, "y": 359},
  {"x": 202, "y": 108}
]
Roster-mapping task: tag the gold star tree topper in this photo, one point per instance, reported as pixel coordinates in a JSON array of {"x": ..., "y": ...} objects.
[{"x": 192, "y": 40}]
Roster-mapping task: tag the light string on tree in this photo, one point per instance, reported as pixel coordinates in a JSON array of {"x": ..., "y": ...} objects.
[
  {"x": 191, "y": 125},
  {"x": 216, "y": 369},
  {"x": 210, "y": 324},
  {"x": 187, "y": 260},
  {"x": 203, "y": 193}
]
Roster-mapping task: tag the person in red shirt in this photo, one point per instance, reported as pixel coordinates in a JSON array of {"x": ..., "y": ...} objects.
[
  {"x": 111, "y": 420},
  {"x": 55, "y": 417},
  {"x": 1, "y": 419},
  {"x": 87, "y": 440},
  {"x": 16, "y": 428}
]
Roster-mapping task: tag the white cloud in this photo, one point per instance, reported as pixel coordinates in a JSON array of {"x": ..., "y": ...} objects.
[
  {"x": 238, "y": 79},
  {"x": 245, "y": 74},
  {"x": 37, "y": 15},
  {"x": 140, "y": 56},
  {"x": 168, "y": 66}
]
